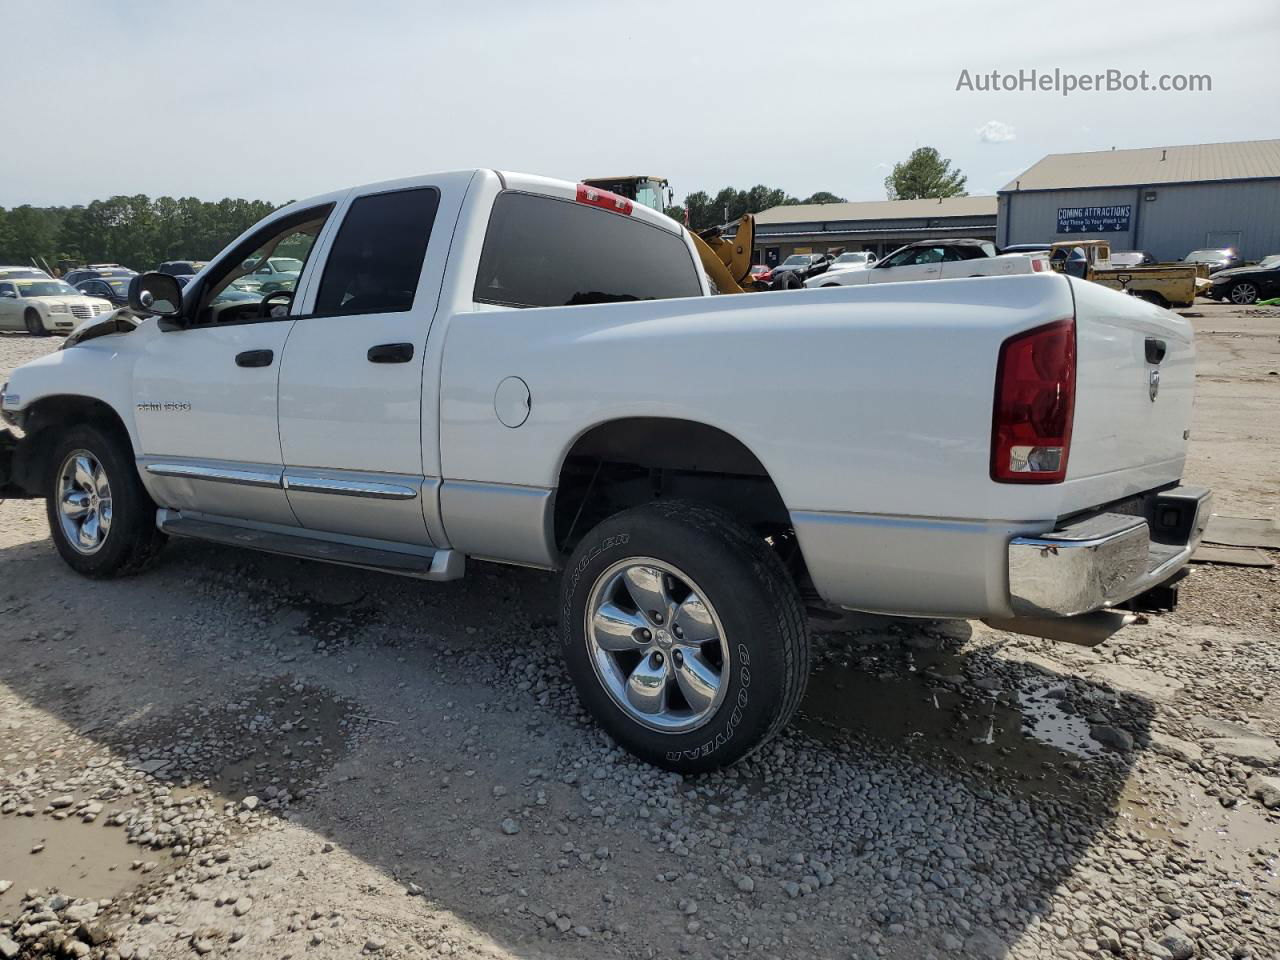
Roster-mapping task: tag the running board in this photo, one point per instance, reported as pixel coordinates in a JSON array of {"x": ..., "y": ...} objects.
[{"x": 432, "y": 565}]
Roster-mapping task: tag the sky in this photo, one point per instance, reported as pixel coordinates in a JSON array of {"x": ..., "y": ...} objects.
[{"x": 284, "y": 99}]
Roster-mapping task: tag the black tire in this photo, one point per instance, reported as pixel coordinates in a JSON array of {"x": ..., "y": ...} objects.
[
  {"x": 1243, "y": 293},
  {"x": 788, "y": 281},
  {"x": 35, "y": 326},
  {"x": 132, "y": 539},
  {"x": 758, "y": 606}
]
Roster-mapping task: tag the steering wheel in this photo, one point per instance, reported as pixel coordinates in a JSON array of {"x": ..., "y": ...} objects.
[{"x": 274, "y": 300}]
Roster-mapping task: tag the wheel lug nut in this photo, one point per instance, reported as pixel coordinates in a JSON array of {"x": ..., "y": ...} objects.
[
  {"x": 679, "y": 657},
  {"x": 657, "y": 659},
  {"x": 645, "y": 635},
  {"x": 657, "y": 617}
]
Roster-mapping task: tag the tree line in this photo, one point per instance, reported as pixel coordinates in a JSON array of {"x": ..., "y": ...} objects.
[
  {"x": 140, "y": 232},
  {"x": 923, "y": 175},
  {"x": 136, "y": 231}
]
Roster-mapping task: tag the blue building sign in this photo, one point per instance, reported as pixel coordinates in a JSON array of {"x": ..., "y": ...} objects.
[{"x": 1094, "y": 219}]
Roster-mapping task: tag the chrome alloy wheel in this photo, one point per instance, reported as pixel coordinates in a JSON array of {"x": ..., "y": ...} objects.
[
  {"x": 657, "y": 645},
  {"x": 84, "y": 502},
  {"x": 1244, "y": 293}
]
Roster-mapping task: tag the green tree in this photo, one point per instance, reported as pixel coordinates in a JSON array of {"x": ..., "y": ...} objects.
[
  {"x": 823, "y": 196},
  {"x": 924, "y": 175}
]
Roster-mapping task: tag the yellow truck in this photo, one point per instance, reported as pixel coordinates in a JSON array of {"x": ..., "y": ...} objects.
[{"x": 1165, "y": 285}]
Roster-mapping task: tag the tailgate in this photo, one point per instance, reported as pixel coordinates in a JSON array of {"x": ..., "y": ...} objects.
[{"x": 1134, "y": 384}]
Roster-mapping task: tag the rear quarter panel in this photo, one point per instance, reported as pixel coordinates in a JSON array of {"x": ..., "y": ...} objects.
[{"x": 857, "y": 399}]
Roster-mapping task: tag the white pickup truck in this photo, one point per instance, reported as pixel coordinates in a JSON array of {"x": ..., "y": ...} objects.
[
  {"x": 936, "y": 260},
  {"x": 506, "y": 367}
]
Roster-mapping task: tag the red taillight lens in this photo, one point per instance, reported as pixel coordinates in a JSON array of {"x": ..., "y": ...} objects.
[
  {"x": 595, "y": 197},
  {"x": 1035, "y": 401},
  {"x": 1039, "y": 264}
]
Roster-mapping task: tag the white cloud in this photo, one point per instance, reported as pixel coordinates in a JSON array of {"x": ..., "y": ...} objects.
[{"x": 996, "y": 131}]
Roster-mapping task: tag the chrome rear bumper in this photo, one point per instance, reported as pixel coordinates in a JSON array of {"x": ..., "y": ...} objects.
[{"x": 1107, "y": 558}]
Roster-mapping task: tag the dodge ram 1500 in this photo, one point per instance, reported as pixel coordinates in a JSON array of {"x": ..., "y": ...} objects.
[{"x": 511, "y": 368}]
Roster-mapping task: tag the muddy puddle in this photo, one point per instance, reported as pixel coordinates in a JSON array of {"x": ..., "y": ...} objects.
[
  {"x": 882, "y": 688},
  {"x": 78, "y": 859}
]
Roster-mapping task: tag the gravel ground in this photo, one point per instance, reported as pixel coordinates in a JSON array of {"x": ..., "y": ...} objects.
[{"x": 236, "y": 754}]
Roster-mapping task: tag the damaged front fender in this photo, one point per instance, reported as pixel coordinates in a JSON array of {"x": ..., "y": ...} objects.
[{"x": 119, "y": 321}]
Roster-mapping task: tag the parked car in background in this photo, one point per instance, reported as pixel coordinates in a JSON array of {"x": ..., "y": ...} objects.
[
  {"x": 853, "y": 260},
  {"x": 115, "y": 289},
  {"x": 1216, "y": 260},
  {"x": 1245, "y": 285},
  {"x": 181, "y": 268},
  {"x": 1165, "y": 285},
  {"x": 74, "y": 277},
  {"x": 762, "y": 272},
  {"x": 41, "y": 306},
  {"x": 7, "y": 273},
  {"x": 276, "y": 273},
  {"x": 802, "y": 266},
  {"x": 937, "y": 260},
  {"x": 1133, "y": 258}
]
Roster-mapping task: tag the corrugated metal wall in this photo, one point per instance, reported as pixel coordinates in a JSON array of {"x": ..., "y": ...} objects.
[{"x": 1181, "y": 218}]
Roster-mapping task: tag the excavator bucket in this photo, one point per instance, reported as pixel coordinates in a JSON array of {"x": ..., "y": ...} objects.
[{"x": 728, "y": 260}]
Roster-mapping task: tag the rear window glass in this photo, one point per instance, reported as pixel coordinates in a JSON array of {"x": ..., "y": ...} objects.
[
  {"x": 377, "y": 256},
  {"x": 544, "y": 252}
]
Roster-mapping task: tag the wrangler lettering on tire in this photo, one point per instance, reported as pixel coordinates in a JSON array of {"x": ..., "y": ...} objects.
[{"x": 684, "y": 635}]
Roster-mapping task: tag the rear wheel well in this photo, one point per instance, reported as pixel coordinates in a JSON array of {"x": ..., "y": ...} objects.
[
  {"x": 38, "y": 427},
  {"x": 625, "y": 463}
]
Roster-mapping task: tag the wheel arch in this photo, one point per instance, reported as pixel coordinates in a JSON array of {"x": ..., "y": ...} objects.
[
  {"x": 620, "y": 463},
  {"x": 39, "y": 425}
]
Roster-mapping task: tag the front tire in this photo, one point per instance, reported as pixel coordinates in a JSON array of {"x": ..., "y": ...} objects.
[
  {"x": 35, "y": 326},
  {"x": 684, "y": 635},
  {"x": 1243, "y": 293},
  {"x": 100, "y": 517}
]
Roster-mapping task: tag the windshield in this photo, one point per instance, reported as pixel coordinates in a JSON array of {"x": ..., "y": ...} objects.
[
  {"x": 286, "y": 264},
  {"x": 851, "y": 258},
  {"x": 1205, "y": 255},
  {"x": 796, "y": 260},
  {"x": 1271, "y": 261},
  {"x": 121, "y": 285},
  {"x": 45, "y": 288}
]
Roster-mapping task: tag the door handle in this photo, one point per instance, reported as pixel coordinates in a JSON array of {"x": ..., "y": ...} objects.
[
  {"x": 255, "y": 358},
  {"x": 391, "y": 353},
  {"x": 1156, "y": 349}
]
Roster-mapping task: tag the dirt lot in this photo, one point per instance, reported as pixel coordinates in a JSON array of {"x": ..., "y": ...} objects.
[{"x": 240, "y": 755}]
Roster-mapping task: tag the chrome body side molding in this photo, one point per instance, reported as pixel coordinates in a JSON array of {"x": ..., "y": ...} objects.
[
  {"x": 370, "y": 489},
  {"x": 216, "y": 474}
]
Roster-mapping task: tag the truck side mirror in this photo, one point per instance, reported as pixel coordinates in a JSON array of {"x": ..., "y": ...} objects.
[{"x": 156, "y": 294}]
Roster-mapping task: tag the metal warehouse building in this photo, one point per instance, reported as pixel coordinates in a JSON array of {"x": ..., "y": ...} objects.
[
  {"x": 876, "y": 225},
  {"x": 1165, "y": 200}
]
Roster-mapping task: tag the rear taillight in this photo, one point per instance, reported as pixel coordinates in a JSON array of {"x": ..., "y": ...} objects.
[
  {"x": 1035, "y": 400},
  {"x": 1039, "y": 264}
]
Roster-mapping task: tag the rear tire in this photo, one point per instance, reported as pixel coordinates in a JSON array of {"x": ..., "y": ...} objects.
[
  {"x": 788, "y": 281},
  {"x": 35, "y": 326},
  {"x": 101, "y": 519},
  {"x": 684, "y": 635}
]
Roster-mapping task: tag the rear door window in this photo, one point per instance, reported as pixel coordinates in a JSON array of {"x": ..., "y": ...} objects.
[
  {"x": 376, "y": 259},
  {"x": 544, "y": 252}
]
